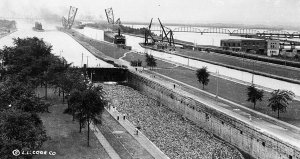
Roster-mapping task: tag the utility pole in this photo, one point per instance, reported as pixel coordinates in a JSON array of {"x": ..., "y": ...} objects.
[
  {"x": 81, "y": 59},
  {"x": 87, "y": 61},
  {"x": 252, "y": 73},
  {"x": 217, "y": 93}
]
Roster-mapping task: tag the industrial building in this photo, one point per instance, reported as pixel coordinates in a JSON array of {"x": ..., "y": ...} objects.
[
  {"x": 257, "y": 46},
  {"x": 273, "y": 47}
]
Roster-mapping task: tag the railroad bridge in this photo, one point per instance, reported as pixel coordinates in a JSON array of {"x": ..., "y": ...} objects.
[{"x": 254, "y": 33}]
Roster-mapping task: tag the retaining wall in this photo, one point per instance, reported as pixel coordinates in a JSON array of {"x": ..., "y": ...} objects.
[{"x": 234, "y": 131}]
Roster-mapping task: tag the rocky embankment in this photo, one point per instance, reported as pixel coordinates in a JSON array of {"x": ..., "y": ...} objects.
[{"x": 175, "y": 136}]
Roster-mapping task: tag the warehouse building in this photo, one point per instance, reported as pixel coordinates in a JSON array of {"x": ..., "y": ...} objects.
[{"x": 257, "y": 46}]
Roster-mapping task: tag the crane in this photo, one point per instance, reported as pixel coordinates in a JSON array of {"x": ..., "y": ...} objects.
[
  {"x": 110, "y": 17},
  {"x": 148, "y": 33},
  {"x": 67, "y": 23}
]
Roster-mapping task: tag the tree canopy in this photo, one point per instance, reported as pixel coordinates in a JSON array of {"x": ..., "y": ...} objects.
[
  {"x": 150, "y": 61},
  {"x": 202, "y": 76},
  {"x": 25, "y": 65},
  {"x": 254, "y": 94},
  {"x": 20, "y": 130},
  {"x": 87, "y": 105},
  {"x": 280, "y": 99}
]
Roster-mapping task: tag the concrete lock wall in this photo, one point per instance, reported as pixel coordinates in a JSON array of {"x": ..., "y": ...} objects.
[
  {"x": 107, "y": 74},
  {"x": 233, "y": 131}
]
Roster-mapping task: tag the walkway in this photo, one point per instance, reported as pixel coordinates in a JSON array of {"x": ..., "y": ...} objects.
[
  {"x": 111, "y": 152},
  {"x": 140, "y": 137}
]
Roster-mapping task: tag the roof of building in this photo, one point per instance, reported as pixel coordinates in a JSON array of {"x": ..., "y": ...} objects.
[{"x": 239, "y": 40}]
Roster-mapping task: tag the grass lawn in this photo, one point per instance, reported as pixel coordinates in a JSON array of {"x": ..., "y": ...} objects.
[
  {"x": 135, "y": 56},
  {"x": 65, "y": 138},
  {"x": 258, "y": 66},
  {"x": 234, "y": 92},
  {"x": 108, "y": 49}
]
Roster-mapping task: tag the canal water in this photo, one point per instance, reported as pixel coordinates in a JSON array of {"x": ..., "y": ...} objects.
[
  {"x": 63, "y": 44},
  {"x": 232, "y": 73}
]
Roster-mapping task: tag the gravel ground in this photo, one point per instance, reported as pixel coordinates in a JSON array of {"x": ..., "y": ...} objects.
[{"x": 175, "y": 136}]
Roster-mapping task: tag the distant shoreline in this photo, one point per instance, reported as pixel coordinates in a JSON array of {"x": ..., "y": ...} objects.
[{"x": 223, "y": 25}]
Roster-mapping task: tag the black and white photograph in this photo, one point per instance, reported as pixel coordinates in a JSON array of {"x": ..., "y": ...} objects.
[{"x": 149, "y": 79}]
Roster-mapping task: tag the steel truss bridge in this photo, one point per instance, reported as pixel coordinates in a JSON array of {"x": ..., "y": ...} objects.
[{"x": 234, "y": 32}]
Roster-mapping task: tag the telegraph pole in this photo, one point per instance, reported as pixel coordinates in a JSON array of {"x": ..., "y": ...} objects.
[
  {"x": 81, "y": 59},
  {"x": 217, "y": 93},
  {"x": 252, "y": 73},
  {"x": 87, "y": 61}
]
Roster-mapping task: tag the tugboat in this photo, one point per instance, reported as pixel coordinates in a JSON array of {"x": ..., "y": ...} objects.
[
  {"x": 117, "y": 39},
  {"x": 38, "y": 27}
]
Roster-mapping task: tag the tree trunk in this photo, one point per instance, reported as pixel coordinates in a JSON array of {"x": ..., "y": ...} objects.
[
  {"x": 203, "y": 86},
  {"x": 88, "y": 140},
  {"x": 63, "y": 96},
  {"x": 73, "y": 114},
  {"x": 278, "y": 114},
  {"x": 46, "y": 90},
  {"x": 80, "y": 125},
  {"x": 254, "y": 103},
  {"x": 59, "y": 92}
]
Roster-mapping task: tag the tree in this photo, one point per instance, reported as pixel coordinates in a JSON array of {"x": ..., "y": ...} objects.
[
  {"x": 150, "y": 60},
  {"x": 27, "y": 60},
  {"x": 202, "y": 75},
  {"x": 91, "y": 105},
  {"x": 20, "y": 96},
  {"x": 20, "y": 130},
  {"x": 136, "y": 63},
  {"x": 280, "y": 99},
  {"x": 254, "y": 94},
  {"x": 72, "y": 79},
  {"x": 74, "y": 102}
]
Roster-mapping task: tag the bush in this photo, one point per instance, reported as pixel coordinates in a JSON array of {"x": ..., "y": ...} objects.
[{"x": 136, "y": 63}]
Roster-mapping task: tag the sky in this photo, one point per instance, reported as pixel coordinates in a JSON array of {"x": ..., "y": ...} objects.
[{"x": 265, "y": 12}]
